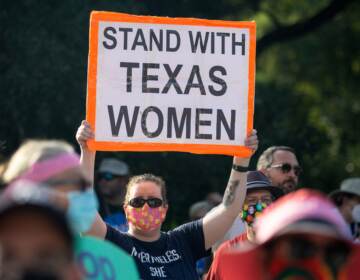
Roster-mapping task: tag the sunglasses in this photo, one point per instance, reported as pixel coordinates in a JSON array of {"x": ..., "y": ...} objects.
[
  {"x": 107, "y": 176},
  {"x": 287, "y": 167},
  {"x": 335, "y": 253},
  {"x": 139, "y": 202}
]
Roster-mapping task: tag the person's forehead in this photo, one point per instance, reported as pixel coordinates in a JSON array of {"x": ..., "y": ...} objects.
[
  {"x": 145, "y": 189},
  {"x": 258, "y": 194},
  {"x": 284, "y": 156}
]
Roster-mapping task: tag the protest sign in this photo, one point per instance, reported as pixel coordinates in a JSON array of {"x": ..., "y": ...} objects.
[
  {"x": 101, "y": 260},
  {"x": 170, "y": 84}
]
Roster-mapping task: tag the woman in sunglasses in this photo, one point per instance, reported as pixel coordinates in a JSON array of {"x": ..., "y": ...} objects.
[{"x": 167, "y": 255}]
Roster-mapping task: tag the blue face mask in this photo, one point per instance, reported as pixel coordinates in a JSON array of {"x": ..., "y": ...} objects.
[{"x": 83, "y": 206}]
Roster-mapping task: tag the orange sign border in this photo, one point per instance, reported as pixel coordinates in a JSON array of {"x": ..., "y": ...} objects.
[{"x": 233, "y": 150}]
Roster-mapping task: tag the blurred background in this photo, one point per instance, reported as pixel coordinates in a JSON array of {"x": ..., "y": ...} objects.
[{"x": 307, "y": 83}]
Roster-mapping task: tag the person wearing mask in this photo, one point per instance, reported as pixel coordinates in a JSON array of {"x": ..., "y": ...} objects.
[
  {"x": 197, "y": 211},
  {"x": 299, "y": 236},
  {"x": 347, "y": 201},
  {"x": 111, "y": 179},
  {"x": 280, "y": 165},
  {"x": 55, "y": 164},
  {"x": 172, "y": 254},
  {"x": 259, "y": 195}
]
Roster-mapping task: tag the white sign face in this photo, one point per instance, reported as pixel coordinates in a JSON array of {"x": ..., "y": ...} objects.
[{"x": 170, "y": 85}]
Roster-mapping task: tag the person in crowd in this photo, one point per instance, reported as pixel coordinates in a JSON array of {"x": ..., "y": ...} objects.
[
  {"x": 111, "y": 180},
  {"x": 214, "y": 198},
  {"x": 347, "y": 200},
  {"x": 280, "y": 165},
  {"x": 55, "y": 164},
  {"x": 300, "y": 236},
  {"x": 35, "y": 239},
  {"x": 259, "y": 194},
  {"x": 172, "y": 254},
  {"x": 199, "y": 209}
]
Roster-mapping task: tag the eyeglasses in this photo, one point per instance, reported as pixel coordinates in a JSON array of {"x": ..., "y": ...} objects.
[
  {"x": 253, "y": 201},
  {"x": 287, "y": 167},
  {"x": 139, "y": 202},
  {"x": 303, "y": 248},
  {"x": 107, "y": 176}
]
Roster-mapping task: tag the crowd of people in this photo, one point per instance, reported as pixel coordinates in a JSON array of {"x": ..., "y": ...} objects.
[{"x": 264, "y": 226}]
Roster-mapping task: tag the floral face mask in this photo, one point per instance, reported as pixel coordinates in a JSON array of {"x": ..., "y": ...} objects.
[
  {"x": 250, "y": 212},
  {"x": 145, "y": 218}
]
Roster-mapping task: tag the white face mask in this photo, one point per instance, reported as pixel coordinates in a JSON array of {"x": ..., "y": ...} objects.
[{"x": 356, "y": 213}]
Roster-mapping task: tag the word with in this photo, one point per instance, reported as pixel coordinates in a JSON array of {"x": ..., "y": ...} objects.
[{"x": 170, "y": 40}]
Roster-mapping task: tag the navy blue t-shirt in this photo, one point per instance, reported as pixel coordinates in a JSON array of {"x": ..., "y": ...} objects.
[
  {"x": 172, "y": 256},
  {"x": 118, "y": 221}
]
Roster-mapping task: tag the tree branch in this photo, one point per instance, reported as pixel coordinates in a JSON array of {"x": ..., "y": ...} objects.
[
  {"x": 287, "y": 33},
  {"x": 274, "y": 19}
]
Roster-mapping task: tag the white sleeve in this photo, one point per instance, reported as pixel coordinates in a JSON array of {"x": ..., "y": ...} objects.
[{"x": 237, "y": 228}]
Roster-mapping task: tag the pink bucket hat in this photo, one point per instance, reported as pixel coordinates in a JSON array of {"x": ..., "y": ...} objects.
[{"x": 304, "y": 211}]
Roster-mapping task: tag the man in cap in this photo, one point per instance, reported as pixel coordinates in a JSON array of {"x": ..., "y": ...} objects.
[
  {"x": 112, "y": 177},
  {"x": 259, "y": 194},
  {"x": 280, "y": 165},
  {"x": 36, "y": 241},
  {"x": 347, "y": 200},
  {"x": 300, "y": 236}
]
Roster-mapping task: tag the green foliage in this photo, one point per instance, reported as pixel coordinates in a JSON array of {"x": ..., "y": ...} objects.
[
  {"x": 319, "y": 73},
  {"x": 306, "y": 92}
]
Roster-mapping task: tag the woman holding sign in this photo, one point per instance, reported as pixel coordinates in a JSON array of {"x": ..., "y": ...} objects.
[{"x": 172, "y": 254}]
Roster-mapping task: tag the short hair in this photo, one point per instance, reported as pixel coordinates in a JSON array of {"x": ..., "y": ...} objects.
[
  {"x": 147, "y": 177},
  {"x": 31, "y": 152},
  {"x": 267, "y": 157}
]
